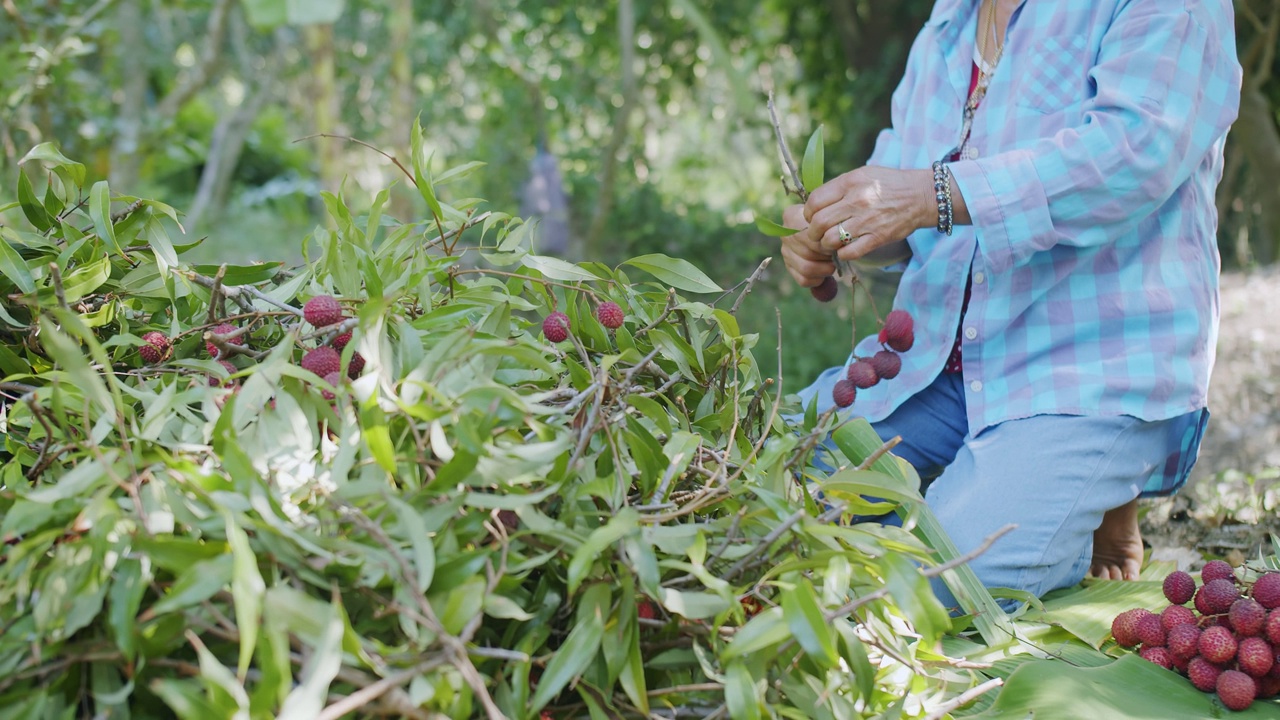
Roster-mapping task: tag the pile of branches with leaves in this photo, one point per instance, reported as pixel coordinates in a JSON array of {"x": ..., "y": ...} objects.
[{"x": 468, "y": 507}]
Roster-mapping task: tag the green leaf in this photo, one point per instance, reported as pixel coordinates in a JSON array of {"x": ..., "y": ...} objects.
[
  {"x": 622, "y": 524},
  {"x": 813, "y": 169},
  {"x": 100, "y": 211},
  {"x": 766, "y": 629},
  {"x": 377, "y": 437},
  {"x": 741, "y": 694},
  {"x": 247, "y": 588},
  {"x": 49, "y": 155},
  {"x": 578, "y": 649},
  {"x": 127, "y": 588},
  {"x": 557, "y": 269},
  {"x": 807, "y": 624},
  {"x": 36, "y": 213},
  {"x": 243, "y": 274},
  {"x": 679, "y": 274},
  {"x": 307, "y": 699},
  {"x": 1087, "y": 614},
  {"x": 14, "y": 267},
  {"x": 424, "y": 552},
  {"x": 1127, "y": 688},
  {"x": 694, "y": 605},
  {"x": 197, "y": 584},
  {"x": 771, "y": 228}
]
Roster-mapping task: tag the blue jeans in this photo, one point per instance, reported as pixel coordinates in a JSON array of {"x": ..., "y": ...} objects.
[{"x": 1054, "y": 476}]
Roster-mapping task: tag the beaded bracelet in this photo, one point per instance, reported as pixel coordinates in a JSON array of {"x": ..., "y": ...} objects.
[{"x": 942, "y": 193}]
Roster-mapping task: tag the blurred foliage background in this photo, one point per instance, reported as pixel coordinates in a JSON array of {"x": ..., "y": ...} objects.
[{"x": 628, "y": 126}]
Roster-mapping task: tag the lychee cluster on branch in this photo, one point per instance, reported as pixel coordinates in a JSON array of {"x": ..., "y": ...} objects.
[
  {"x": 1227, "y": 645},
  {"x": 897, "y": 334}
]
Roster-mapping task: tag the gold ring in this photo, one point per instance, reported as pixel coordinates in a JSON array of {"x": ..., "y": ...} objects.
[{"x": 845, "y": 237}]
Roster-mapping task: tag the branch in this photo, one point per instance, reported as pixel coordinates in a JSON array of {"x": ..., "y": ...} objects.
[
  {"x": 369, "y": 693},
  {"x": 789, "y": 161},
  {"x": 964, "y": 698}
]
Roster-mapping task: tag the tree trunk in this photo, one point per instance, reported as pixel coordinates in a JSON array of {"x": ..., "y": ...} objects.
[
  {"x": 224, "y": 154},
  {"x": 325, "y": 108},
  {"x": 593, "y": 248}
]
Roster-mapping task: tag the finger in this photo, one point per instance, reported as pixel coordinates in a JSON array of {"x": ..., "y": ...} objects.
[
  {"x": 793, "y": 217},
  {"x": 808, "y": 250},
  {"x": 859, "y": 246},
  {"x": 805, "y": 271},
  {"x": 824, "y": 196}
]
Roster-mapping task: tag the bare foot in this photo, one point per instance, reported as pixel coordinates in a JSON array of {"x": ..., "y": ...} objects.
[{"x": 1117, "y": 545}]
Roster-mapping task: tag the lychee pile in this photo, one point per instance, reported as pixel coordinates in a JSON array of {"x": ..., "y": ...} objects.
[
  {"x": 1227, "y": 645},
  {"x": 897, "y": 335},
  {"x": 556, "y": 327}
]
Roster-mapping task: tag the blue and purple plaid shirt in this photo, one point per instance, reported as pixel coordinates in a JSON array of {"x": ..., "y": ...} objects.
[{"x": 1092, "y": 253}]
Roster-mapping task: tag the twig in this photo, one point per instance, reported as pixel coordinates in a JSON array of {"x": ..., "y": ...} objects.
[
  {"x": 236, "y": 290},
  {"x": 56, "y": 274},
  {"x": 888, "y": 445},
  {"x": 215, "y": 294},
  {"x": 763, "y": 545},
  {"x": 786, "y": 155},
  {"x": 750, "y": 283},
  {"x": 666, "y": 311},
  {"x": 964, "y": 698},
  {"x": 369, "y": 693}
]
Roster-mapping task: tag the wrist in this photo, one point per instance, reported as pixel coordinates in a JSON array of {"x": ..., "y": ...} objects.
[{"x": 926, "y": 213}]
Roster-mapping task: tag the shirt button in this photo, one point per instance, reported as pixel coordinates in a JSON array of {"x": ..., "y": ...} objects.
[
  {"x": 976, "y": 386},
  {"x": 979, "y": 277},
  {"x": 971, "y": 333}
]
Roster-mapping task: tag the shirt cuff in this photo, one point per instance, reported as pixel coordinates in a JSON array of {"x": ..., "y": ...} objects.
[{"x": 1007, "y": 205}]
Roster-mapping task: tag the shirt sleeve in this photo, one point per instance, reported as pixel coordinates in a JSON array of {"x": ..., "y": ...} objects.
[{"x": 1167, "y": 90}]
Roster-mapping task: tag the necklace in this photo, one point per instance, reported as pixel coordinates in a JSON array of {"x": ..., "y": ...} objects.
[{"x": 985, "y": 71}]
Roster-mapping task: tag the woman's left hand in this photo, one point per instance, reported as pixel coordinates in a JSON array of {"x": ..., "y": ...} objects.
[{"x": 875, "y": 205}]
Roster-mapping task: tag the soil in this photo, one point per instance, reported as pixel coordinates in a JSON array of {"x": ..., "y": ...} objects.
[{"x": 1228, "y": 508}]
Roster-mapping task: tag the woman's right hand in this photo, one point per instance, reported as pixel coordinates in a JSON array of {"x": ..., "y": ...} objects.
[{"x": 807, "y": 262}]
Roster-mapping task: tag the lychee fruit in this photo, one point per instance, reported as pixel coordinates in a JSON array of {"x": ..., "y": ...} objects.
[
  {"x": 556, "y": 327},
  {"x": 1203, "y": 674},
  {"x": 1124, "y": 628},
  {"x": 356, "y": 366},
  {"x": 1217, "y": 644},
  {"x": 1179, "y": 587},
  {"x": 898, "y": 331},
  {"x": 215, "y": 381},
  {"x": 1255, "y": 656},
  {"x": 887, "y": 364},
  {"x": 1268, "y": 687},
  {"x": 509, "y": 519},
  {"x": 1216, "y": 570},
  {"x": 322, "y": 311},
  {"x": 1150, "y": 630},
  {"x": 844, "y": 393},
  {"x": 1176, "y": 615},
  {"x": 1183, "y": 641},
  {"x": 222, "y": 329},
  {"x": 157, "y": 344},
  {"x": 646, "y": 610},
  {"x": 1272, "y": 627},
  {"x": 862, "y": 374},
  {"x": 1158, "y": 655},
  {"x": 825, "y": 291},
  {"x": 322, "y": 361},
  {"x": 1247, "y": 617},
  {"x": 1218, "y": 596},
  {"x": 340, "y": 341},
  {"x": 610, "y": 315},
  {"x": 1266, "y": 590},
  {"x": 1236, "y": 690},
  {"x": 333, "y": 379}
]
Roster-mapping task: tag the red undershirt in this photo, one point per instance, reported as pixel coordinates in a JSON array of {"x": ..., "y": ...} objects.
[{"x": 954, "y": 361}]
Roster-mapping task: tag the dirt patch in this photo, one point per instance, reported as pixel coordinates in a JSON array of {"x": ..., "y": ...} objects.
[{"x": 1228, "y": 508}]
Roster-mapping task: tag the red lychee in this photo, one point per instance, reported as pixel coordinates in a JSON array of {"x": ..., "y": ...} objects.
[
  {"x": 223, "y": 329},
  {"x": 1179, "y": 587},
  {"x": 356, "y": 366},
  {"x": 1255, "y": 656},
  {"x": 899, "y": 330},
  {"x": 610, "y": 315},
  {"x": 1217, "y": 644},
  {"x": 333, "y": 379},
  {"x": 1247, "y": 617},
  {"x": 556, "y": 327},
  {"x": 1203, "y": 674},
  {"x": 1158, "y": 655},
  {"x": 157, "y": 344},
  {"x": 825, "y": 291},
  {"x": 1175, "y": 615},
  {"x": 862, "y": 373},
  {"x": 215, "y": 381},
  {"x": 1150, "y": 630},
  {"x": 1268, "y": 687},
  {"x": 844, "y": 393},
  {"x": 1266, "y": 590},
  {"x": 1124, "y": 628},
  {"x": 1272, "y": 627},
  {"x": 887, "y": 364},
  {"x": 340, "y": 341},
  {"x": 509, "y": 519},
  {"x": 1236, "y": 689},
  {"x": 322, "y": 361},
  {"x": 1218, "y": 596},
  {"x": 1216, "y": 570},
  {"x": 322, "y": 311},
  {"x": 646, "y": 609},
  {"x": 1183, "y": 641}
]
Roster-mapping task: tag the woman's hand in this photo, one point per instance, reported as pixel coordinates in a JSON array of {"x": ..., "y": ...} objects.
[
  {"x": 875, "y": 205},
  {"x": 807, "y": 262}
]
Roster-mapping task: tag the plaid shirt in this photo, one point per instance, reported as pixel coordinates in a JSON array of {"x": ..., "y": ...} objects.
[{"x": 1092, "y": 254}]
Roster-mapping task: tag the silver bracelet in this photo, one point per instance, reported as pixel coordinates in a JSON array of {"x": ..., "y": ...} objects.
[{"x": 942, "y": 193}]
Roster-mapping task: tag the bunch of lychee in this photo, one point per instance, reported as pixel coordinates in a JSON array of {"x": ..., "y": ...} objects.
[
  {"x": 897, "y": 335},
  {"x": 555, "y": 327},
  {"x": 1227, "y": 645}
]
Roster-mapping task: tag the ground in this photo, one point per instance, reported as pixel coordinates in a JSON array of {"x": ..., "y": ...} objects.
[{"x": 1228, "y": 508}]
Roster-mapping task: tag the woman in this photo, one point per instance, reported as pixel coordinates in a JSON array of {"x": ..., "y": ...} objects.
[{"x": 1051, "y": 167}]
